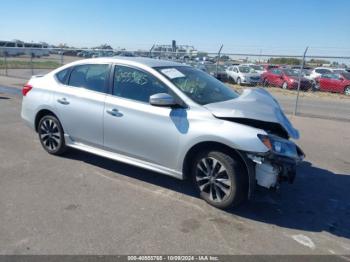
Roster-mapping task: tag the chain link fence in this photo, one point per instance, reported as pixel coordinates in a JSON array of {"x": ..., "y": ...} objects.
[{"x": 314, "y": 82}]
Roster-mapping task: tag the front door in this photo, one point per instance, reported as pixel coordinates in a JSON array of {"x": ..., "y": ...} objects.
[{"x": 133, "y": 127}]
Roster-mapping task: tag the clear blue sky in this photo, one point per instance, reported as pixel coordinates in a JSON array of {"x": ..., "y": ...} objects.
[{"x": 242, "y": 26}]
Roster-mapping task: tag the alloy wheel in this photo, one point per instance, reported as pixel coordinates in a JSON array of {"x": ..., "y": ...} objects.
[
  {"x": 347, "y": 91},
  {"x": 50, "y": 134},
  {"x": 212, "y": 179}
]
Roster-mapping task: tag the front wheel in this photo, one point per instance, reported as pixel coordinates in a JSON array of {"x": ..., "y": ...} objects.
[
  {"x": 219, "y": 179},
  {"x": 347, "y": 91},
  {"x": 239, "y": 82},
  {"x": 51, "y": 135},
  {"x": 265, "y": 83}
]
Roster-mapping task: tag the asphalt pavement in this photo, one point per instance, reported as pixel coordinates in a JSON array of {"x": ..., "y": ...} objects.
[{"x": 85, "y": 204}]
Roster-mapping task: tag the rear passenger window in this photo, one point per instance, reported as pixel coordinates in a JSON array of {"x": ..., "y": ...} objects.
[
  {"x": 92, "y": 77},
  {"x": 62, "y": 76}
]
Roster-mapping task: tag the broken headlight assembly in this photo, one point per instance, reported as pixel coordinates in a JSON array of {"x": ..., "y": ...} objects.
[{"x": 281, "y": 146}]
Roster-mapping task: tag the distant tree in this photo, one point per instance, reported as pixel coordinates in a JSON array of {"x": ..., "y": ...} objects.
[
  {"x": 104, "y": 46},
  {"x": 62, "y": 45},
  {"x": 318, "y": 61},
  {"x": 335, "y": 64},
  {"x": 202, "y": 54},
  {"x": 224, "y": 58},
  {"x": 284, "y": 61}
]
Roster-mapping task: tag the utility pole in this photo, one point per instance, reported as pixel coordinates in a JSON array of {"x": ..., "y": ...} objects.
[
  {"x": 218, "y": 60},
  {"x": 299, "y": 82},
  {"x": 150, "y": 51}
]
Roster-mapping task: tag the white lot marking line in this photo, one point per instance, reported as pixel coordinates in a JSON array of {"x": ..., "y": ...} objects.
[{"x": 304, "y": 240}]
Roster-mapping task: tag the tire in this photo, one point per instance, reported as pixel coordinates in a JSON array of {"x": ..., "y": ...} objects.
[
  {"x": 230, "y": 80},
  {"x": 265, "y": 83},
  {"x": 347, "y": 91},
  {"x": 285, "y": 85},
  {"x": 51, "y": 135},
  {"x": 239, "y": 82},
  {"x": 226, "y": 186},
  {"x": 315, "y": 86}
]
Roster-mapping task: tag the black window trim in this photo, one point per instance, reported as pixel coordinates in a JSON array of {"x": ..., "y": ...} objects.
[
  {"x": 65, "y": 82},
  {"x": 111, "y": 86}
]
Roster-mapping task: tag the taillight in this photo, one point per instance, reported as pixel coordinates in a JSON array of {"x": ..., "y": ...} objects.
[{"x": 26, "y": 88}]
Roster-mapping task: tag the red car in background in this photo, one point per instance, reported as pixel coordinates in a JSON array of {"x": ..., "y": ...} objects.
[
  {"x": 339, "y": 83},
  {"x": 268, "y": 67},
  {"x": 285, "y": 78}
]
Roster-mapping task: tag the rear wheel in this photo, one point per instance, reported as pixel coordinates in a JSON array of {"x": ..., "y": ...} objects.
[
  {"x": 347, "y": 91},
  {"x": 316, "y": 86},
  {"x": 285, "y": 85},
  {"x": 219, "y": 179},
  {"x": 51, "y": 135}
]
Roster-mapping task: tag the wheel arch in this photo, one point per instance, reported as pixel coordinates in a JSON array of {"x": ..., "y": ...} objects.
[
  {"x": 40, "y": 114},
  {"x": 247, "y": 164}
]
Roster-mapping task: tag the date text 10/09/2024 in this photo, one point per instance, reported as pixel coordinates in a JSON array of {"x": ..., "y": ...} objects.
[{"x": 173, "y": 258}]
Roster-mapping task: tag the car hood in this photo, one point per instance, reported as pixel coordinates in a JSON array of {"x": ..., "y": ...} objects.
[{"x": 257, "y": 104}]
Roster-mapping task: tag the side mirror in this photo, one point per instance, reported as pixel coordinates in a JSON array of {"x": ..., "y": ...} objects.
[
  {"x": 342, "y": 79},
  {"x": 162, "y": 99}
]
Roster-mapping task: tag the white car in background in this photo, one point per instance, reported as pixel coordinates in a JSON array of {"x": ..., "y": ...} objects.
[
  {"x": 243, "y": 74},
  {"x": 258, "y": 68},
  {"x": 318, "y": 71}
]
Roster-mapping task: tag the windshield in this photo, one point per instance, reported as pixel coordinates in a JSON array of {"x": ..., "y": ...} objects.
[
  {"x": 197, "y": 85},
  {"x": 346, "y": 75},
  {"x": 246, "y": 69},
  {"x": 257, "y": 67},
  {"x": 291, "y": 72}
]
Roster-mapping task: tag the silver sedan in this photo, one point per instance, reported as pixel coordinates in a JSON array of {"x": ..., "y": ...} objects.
[{"x": 166, "y": 117}]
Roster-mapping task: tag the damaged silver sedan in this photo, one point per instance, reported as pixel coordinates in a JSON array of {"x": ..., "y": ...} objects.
[{"x": 168, "y": 118}]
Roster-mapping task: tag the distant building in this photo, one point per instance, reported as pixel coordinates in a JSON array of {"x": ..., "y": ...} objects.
[{"x": 174, "y": 50}]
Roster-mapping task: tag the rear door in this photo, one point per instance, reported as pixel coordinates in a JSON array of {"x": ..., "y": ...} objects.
[
  {"x": 80, "y": 102},
  {"x": 327, "y": 82},
  {"x": 338, "y": 83}
]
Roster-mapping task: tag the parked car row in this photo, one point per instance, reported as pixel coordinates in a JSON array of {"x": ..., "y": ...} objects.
[
  {"x": 335, "y": 80},
  {"x": 15, "y": 48}
]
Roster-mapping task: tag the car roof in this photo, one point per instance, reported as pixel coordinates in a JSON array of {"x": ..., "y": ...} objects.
[{"x": 150, "y": 62}]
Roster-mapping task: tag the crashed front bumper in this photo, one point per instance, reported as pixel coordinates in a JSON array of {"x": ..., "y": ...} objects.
[{"x": 272, "y": 169}]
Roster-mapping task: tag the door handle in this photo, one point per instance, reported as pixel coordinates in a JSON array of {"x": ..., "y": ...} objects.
[
  {"x": 114, "y": 112},
  {"x": 63, "y": 101}
]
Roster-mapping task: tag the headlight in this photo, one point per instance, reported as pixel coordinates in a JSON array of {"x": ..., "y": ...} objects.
[{"x": 279, "y": 145}]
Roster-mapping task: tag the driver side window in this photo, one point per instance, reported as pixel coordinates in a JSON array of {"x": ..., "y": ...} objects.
[{"x": 135, "y": 84}]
